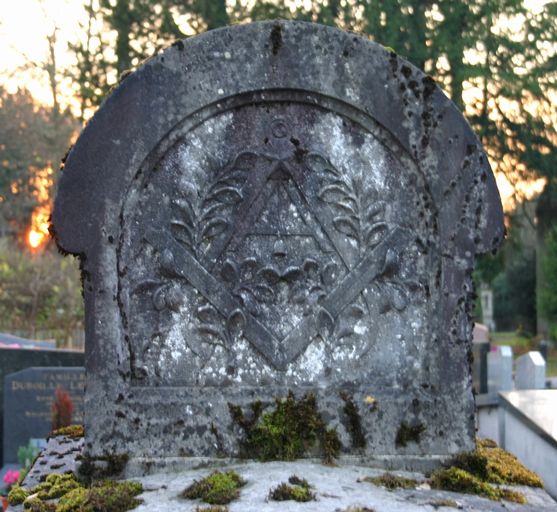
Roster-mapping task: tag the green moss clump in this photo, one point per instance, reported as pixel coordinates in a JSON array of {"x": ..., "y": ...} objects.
[
  {"x": 56, "y": 486},
  {"x": 217, "y": 488},
  {"x": 37, "y": 505},
  {"x": 300, "y": 490},
  {"x": 459, "y": 480},
  {"x": 504, "y": 468},
  {"x": 73, "y": 431},
  {"x": 287, "y": 432},
  {"x": 213, "y": 508},
  {"x": 17, "y": 495},
  {"x": 408, "y": 433},
  {"x": 75, "y": 500},
  {"x": 391, "y": 482},
  {"x": 106, "y": 495},
  {"x": 354, "y": 425}
]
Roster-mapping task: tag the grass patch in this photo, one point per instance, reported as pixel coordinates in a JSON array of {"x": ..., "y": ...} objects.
[
  {"x": 391, "y": 482},
  {"x": 216, "y": 489},
  {"x": 297, "y": 489}
]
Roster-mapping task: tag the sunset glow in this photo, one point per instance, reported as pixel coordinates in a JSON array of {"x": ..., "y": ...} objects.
[{"x": 37, "y": 234}]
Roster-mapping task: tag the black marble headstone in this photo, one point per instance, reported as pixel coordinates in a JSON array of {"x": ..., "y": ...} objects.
[
  {"x": 28, "y": 397},
  {"x": 272, "y": 207}
]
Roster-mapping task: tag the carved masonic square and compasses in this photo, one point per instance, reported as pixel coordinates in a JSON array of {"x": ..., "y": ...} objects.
[{"x": 287, "y": 204}]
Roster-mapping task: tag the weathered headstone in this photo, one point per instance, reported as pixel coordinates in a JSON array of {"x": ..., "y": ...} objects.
[
  {"x": 530, "y": 371},
  {"x": 28, "y": 397},
  {"x": 500, "y": 369},
  {"x": 272, "y": 207}
]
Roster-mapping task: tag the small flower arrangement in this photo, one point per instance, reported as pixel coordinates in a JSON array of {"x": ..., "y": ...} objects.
[{"x": 11, "y": 477}]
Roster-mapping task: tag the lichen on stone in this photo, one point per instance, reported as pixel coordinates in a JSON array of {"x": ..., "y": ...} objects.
[
  {"x": 297, "y": 489},
  {"x": 216, "y": 489},
  {"x": 288, "y": 432},
  {"x": 391, "y": 481}
]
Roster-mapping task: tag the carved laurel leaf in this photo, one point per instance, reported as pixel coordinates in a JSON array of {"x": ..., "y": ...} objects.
[
  {"x": 374, "y": 210},
  {"x": 245, "y": 161},
  {"x": 182, "y": 232},
  {"x": 329, "y": 273},
  {"x": 319, "y": 164},
  {"x": 326, "y": 322},
  {"x": 399, "y": 300},
  {"x": 375, "y": 233},
  {"x": 292, "y": 273},
  {"x": 207, "y": 314},
  {"x": 332, "y": 194},
  {"x": 159, "y": 298},
  {"x": 347, "y": 225},
  {"x": 391, "y": 265},
  {"x": 214, "y": 227},
  {"x": 270, "y": 274},
  {"x": 219, "y": 338},
  {"x": 263, "y": 293},
  {"x": 247, "y": 267},
  {"x": 235, "y": 323},
  {"x": 229, "y": 271},
  {"x": 226, "y": 195},
  {"x": 186, "y": 210}
]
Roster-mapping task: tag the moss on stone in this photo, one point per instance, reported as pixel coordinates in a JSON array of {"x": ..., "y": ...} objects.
[
  {"x": 213, "y": 508},
  {"x": 38, "y": 505},
  {"x": 105, "y": 495},
  {"x": 217, "y": 489},
  {"x": 408, "y": 433},
  {"x": 458, "y": 480},
  {"x": 56, "y": 485},
  {"x": 101, "y": 468},
  {"x": 17, "y": 495},
  {"x": 505, "y": 468},
  {"x": 73, "y": 496},
  {"x": 299, "y": 490},
  {"x": 391, "y": 482},
  {"x": 443, "y": 503},
  {"x": 287, "y": 432},
  {"x": 358, "y": 509},
  {"x": 354, "y": 424},
  {"x": 73, "y": 431}
]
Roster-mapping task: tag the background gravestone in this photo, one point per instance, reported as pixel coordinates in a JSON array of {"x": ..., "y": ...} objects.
[
  {"x": 273, "y": 207},
  {"x": 500, "y": 369},
  {"x": 530, "y": 371},
  {"x": 15, "y": 359},
  {"x": 28, "y": 397}
]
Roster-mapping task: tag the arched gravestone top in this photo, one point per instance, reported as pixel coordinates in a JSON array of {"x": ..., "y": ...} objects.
[{"x": 271, "y": 207}]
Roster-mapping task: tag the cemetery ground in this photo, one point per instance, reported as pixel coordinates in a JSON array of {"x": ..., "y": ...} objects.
[{"x": 521, "y": 344}]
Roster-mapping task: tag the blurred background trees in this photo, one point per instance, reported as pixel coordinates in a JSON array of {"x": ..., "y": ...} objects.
[{"x": 496, "y": 59}]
